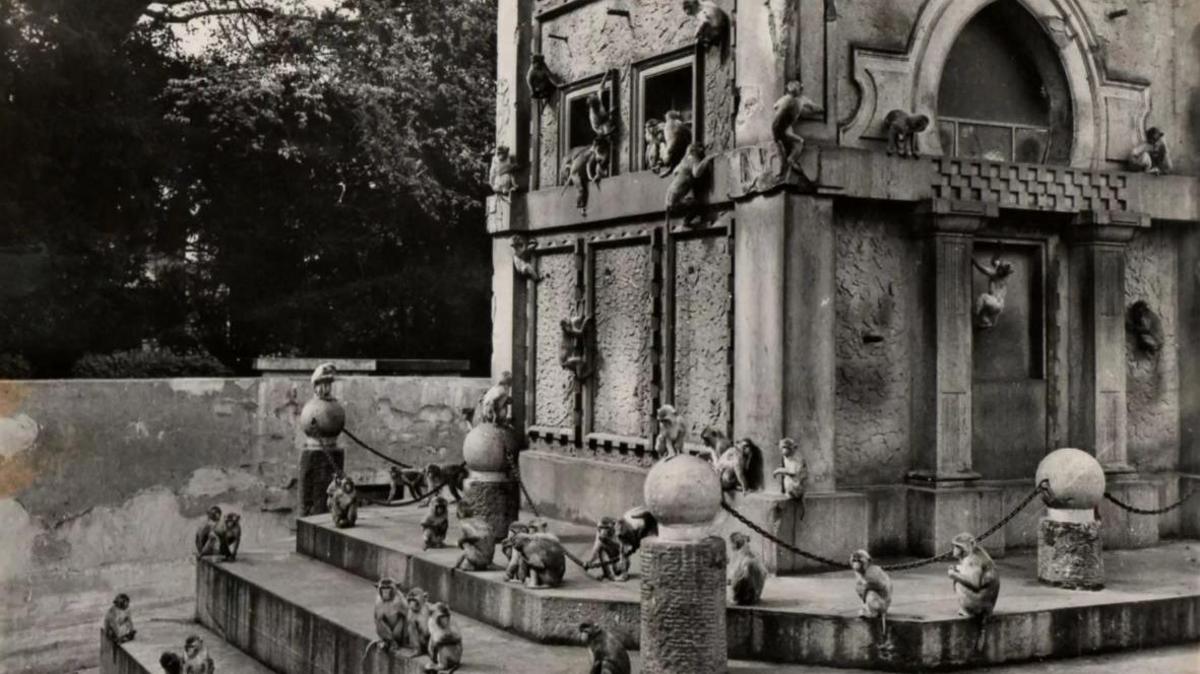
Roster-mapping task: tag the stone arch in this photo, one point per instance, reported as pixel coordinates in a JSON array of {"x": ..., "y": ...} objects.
[{"x": 1108, "y": 115}]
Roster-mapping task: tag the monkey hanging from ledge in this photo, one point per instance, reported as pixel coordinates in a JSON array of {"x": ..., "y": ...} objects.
[{"x": 990, "y": 304}]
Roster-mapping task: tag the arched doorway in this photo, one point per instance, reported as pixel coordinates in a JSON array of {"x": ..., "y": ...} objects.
[{"x": 1003, "y": 94}]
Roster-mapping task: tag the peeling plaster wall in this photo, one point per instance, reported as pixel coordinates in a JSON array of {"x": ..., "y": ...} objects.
[
  {"x": 1152, "y": 380},
  {"x": 98, "y": 472},
  {"x": 875, "y": 291}
]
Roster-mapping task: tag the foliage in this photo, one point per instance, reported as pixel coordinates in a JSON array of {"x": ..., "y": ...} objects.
[
  {"x": 14, "y": 366},
  {"x": 310, "y": 184},
  {"x": 149, "y": 363}
]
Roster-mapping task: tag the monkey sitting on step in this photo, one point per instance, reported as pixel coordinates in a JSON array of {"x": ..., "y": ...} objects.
[
  {"x": 874, "y": 588},
  {"x": 976, "y": 582},
  {"x": 445, "y": 641},
  {"x": 608, "y": 552},
  {"x": 747, "y": 575},
  {"x": 118, "y": 623},
  {"x": 607, "y": 652},
  {"x": 435, "y": 524}
]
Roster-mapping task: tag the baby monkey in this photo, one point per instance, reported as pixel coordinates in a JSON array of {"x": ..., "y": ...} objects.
[
  {"x": 874, "y": 588},
  {"x": 118, "y": 623}
]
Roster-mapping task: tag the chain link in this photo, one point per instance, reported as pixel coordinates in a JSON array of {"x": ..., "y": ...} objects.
[
  {"x": 1148, "y": 511},
  {"x": 1041, "y": 488},
  {"x": 374, "y": 451}
]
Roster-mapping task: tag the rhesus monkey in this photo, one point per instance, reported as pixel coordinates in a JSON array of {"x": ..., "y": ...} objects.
[
  {"x": 391, "y": 618},
  {"x": 652, "y": 138},
  {"x": 512, "y": 570},
  {"x": 669, "y": 441},
  {"x": 542, "y": 83},
  {"x": 676, "y": 139},
  {"x": 989, "y": 305},
  {"x": 405, "y": 480},
  {"x": 788, "y": 110},
  {"x": 715, "y": 442},
  {"x": 608, "y": 653},
  {"x": 449, "y": 475},
  {"x": 572, "y": 349},
  {"x": 496, "y": 404},
  {"x": 600, "y": 161},
  {"x": 1145, "y": 326},
  {"x": 577, "y": 168},
  {"x": 435, "y": 524},
  {"x": 976, "y": 582},
  {"x": 874, "y": 588},
  {"x": 343, "y": 503},
  {"x": 747, "y": 575},
  {"x": 608, "y": 552},
  {"x": 685, "y": 180},
  {"x": 477, "y": 541},
  {"x": 636, "y": 524},
  {"x": 734, "y": 465},
  {"x": 502, "y": 176},
  {"x": 445, "y": 641},
  {"x": 794, "y": 471},
  {"x": 522, "y": 258},
  {"x": 418, "y": 620},
  {"x": 230, "y": 534},
  {"x": 712, "y": 25},
  {"x": 195, "y": 657},
  {"x": 902, "y": 131},
  {"x": 118, "y": 622},
  {"x": 170, "y": 662},
  {"x": 600, "y": 117},
  {"x": 206, "y": 540},
  {"x": 543, "y": 561},
  {"x": 322, "y": 381},
  {"x": 1151, "y": 156}
]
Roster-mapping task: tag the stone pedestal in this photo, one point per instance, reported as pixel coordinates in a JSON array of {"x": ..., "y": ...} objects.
[
  {"x": 495, "y": 499},
  {"x": 317, "y": 467},
  {"x": 683, "y": 606},
  {"x": 1069, "y": 550}
]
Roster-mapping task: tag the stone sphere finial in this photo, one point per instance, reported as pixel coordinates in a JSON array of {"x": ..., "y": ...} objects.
[
  {"x": 684, "y": 495},
  {"x": 1076, "y": 479},
  {"x": 487, "y": 448},
  {"x": 323, "y": 417}
]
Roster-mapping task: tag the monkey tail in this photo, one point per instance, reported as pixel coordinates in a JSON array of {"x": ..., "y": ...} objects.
[
  {"x": 883, "y": 624},
  {"x": 367, "y": 651}
]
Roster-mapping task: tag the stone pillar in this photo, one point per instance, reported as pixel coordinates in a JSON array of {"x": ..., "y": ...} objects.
[
  {"x": 1097, "y": 415},
  {"x": 1069, "y": 544},
  {"x": 322, "y": 421},
  {"x": 492, "y": 490},
  {"x": 942, "y": 386},
  {"x": 683, "y": 572}
]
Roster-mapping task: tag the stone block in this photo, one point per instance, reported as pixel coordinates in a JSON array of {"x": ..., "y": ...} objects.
[
  {"x": 580, "y": 489},
  {"x": 1189, "y": 513},
  {"x": 496, "y": 502},
  {"x": 936, "y": 515},
  {"x": 1069, "y": 554},
  {"x": 683, "y": 606},
  {"x": 1120, "y": 529},
  {"x": 317, "y": 467}
]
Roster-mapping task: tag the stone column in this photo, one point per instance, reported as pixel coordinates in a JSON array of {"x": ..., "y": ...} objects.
[
  {"x": 1097, "y": 414},
  {"x": 683, "y": 571},
  {"x": 492, "y": 490},
  {"x": 1069, "y": 544},
  {"x": 322, "y": 421}
]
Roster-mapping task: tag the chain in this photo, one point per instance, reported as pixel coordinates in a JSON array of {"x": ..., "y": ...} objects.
[
  {"x": 1042, "y": 487},
  {"x": 397, "y": 504},
  {"x": 372, "y": 450},
  {"x": 1149, "y": 511}
]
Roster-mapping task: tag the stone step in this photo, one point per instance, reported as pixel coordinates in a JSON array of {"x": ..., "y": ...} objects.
[
  {"x": 154, "y": 636},
  {"x": 1153, "y": 598}
]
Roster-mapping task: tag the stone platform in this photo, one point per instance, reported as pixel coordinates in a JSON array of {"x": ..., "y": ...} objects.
[
  {"x": 140, "y": 656},
  {"x": 1152, "y": 598}
]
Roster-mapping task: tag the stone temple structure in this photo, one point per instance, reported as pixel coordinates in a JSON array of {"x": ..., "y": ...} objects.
[{"x": 855, "y": 306}]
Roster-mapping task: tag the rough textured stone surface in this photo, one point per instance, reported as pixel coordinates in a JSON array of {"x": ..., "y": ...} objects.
[
  {"x": 1152, "y": 380},
  {"x": 554, "y": 403},
  {"x": 683, "y": 606},
  {"x": 702, "y": 339},
  {"x": 875, "y": 282},
  {"x": 1069, "y": 555},
  {"x": 621, "y": 388},
  {"x": 316, "y": 472},
  {"x": 497, "y": 503}
]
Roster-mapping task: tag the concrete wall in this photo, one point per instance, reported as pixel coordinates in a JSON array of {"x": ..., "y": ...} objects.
[{"x": 97, "y": 472}]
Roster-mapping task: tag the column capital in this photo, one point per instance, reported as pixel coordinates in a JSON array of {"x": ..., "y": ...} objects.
[
  {"x": 952, "y": 217},
  {"x": 1107, "y": 227}
]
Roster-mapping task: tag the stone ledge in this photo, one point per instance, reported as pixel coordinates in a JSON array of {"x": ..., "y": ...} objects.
[
  {"x": 803, "y": 619},
  {"x": 140, "y": 656}
]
